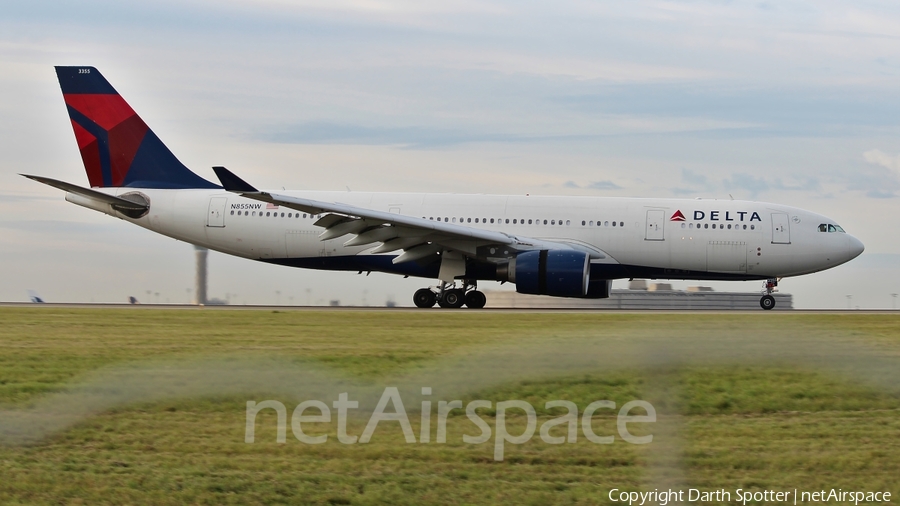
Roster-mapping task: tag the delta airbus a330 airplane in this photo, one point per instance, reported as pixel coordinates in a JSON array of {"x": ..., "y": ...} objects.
[{"x": 557, "y": 246}]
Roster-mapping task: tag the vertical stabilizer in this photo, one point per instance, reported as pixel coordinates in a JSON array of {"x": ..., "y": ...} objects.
[{"x": 117, "y": 147}]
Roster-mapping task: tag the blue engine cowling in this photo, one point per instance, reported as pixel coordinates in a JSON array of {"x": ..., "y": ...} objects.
[{"x": 561, "y": 273}]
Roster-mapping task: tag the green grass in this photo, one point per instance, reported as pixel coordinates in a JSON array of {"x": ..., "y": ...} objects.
[{"x": 759, "y": 401}]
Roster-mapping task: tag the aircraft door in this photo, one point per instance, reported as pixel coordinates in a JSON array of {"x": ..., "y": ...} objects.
[
  {"x": 216, "y": 215},
  {"x": 781, "y": 229},
  {"x": 656, "y": 221}
]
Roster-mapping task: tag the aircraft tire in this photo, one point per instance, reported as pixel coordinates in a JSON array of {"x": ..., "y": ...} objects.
[
  {"x": 475, "y": 300},
  {"x": 424, "y": 298},
  {"x": 767, "y": 302},
  {"x": 453, "y": 299}
]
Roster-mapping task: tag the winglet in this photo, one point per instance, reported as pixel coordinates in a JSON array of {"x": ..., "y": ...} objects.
[{"x": 233, "y": 183}]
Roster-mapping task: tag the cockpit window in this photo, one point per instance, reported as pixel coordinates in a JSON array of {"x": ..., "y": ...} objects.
[{"x": 829, "y": 227}]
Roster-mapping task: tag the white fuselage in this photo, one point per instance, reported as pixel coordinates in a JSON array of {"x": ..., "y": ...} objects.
[{"x": 718, "y": 239}]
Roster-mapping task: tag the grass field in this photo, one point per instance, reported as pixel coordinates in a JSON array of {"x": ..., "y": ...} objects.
[{"x": 148, "y": 406}]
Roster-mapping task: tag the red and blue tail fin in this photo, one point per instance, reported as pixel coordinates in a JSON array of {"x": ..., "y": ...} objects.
[{"x": 117, "y": 147}]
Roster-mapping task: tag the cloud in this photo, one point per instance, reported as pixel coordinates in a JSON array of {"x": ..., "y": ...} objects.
[
  {"x": 596, "y": 185},
  {"x": 879, "y": 194},
  {"x": 880, "y": 179},
  {"x": 748, "y": 183},
  {"x": 603, "y": 185},
  {"x": 694, "y": 179},
  {"x": 879, "y": 157},
  {"x": 757, "y": 185}
]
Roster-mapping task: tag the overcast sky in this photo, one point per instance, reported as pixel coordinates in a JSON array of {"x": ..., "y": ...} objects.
[{"x": 794, "y": 102}]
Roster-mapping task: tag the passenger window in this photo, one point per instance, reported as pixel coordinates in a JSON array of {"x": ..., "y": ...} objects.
[
  {"x": 605, "y": 223},
  {"x": 614, "y": 224},
  {"x": 476, "y": 220},
  {"x": 752, "y": 227},
  {"x": 569, "y": 222},
  {"x": 621, "y": 223},
  {"x": 706, "y": 225},
  {"x": 492, "y": 220},
  {"x": 745, "y": 227},
  {"x": 507, "y": 221},
  {"x": 469, "y": 220}
]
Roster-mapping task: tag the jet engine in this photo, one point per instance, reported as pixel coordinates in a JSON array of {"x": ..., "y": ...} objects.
[{"x": 560, "y": 273}]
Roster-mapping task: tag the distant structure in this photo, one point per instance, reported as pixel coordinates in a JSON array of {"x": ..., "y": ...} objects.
[
  {"x": 200, "y": 278},
  {"x": 641, "y": 295}
]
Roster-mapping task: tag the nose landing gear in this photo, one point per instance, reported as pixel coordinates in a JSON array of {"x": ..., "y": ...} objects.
[
  {"x": 767, "y": 301},
  {"x": 448, "y": 295}
]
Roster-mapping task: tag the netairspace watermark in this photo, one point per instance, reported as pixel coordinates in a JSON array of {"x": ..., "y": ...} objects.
[
  {"x": 391, "y": 395},
  {"x": 742, "y": 496}
]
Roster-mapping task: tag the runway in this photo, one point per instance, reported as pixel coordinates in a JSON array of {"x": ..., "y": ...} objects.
[{"x": 250, "y": 307}]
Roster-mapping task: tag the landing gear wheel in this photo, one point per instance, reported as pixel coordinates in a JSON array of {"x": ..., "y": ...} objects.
[
  {"x": 454, "y": 298},
  {"x": 475, "y": 300},
  {"x": 767, "y": 302},
  {"x": 424, "y": 298}
]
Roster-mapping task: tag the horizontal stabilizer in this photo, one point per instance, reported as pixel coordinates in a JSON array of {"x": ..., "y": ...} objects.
[{"x": 118, "y": 203}]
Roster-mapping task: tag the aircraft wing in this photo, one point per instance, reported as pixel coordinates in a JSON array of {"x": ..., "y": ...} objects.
[{"x": 417, "y": 237}]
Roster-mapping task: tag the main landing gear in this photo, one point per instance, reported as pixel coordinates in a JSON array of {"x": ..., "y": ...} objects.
[
  {"x": 448, "y": 295},
  {"x": 767, "y": 301}
]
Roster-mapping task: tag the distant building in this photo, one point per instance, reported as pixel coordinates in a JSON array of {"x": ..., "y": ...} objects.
[{"x": 642, "y": 296}]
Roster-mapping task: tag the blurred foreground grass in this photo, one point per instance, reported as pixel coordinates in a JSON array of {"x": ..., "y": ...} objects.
[{"x": 758, "y": 401}]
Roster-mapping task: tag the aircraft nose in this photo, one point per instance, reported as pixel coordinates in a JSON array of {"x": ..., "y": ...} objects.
[{"x": 855, "y": 247}]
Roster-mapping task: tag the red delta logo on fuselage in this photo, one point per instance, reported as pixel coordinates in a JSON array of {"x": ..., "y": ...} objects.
[{"x": 718, "y": 216}]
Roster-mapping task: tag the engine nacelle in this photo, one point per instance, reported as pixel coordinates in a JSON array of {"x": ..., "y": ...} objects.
[{"x": 560, "y": 273}]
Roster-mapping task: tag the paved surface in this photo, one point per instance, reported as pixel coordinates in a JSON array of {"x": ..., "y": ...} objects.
[{"x": 188, "y": 307}]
